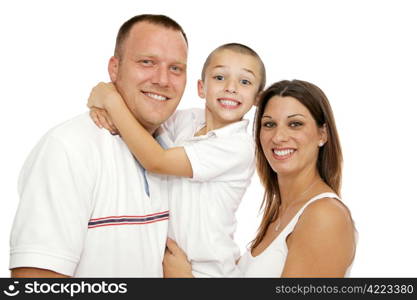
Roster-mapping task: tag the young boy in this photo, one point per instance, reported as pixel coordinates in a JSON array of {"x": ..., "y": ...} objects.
[{"x": 212, "y": 161}]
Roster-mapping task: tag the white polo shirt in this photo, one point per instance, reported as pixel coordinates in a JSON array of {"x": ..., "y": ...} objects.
[
  {"x": 202, "y": 209},
  {"x": 84, "y": 210}
]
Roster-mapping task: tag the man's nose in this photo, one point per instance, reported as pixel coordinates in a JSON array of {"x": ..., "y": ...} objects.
[{"x": 160, "y": 76}]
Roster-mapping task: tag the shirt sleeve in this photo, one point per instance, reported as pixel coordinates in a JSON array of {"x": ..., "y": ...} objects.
[
  {"x": 52, "y": 217},
  {"x": 225, "y": 158}
]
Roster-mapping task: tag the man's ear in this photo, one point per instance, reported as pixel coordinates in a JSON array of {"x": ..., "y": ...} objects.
[
  {"x": 200, "y": 87},
  {"x": 113, "y": 68}
]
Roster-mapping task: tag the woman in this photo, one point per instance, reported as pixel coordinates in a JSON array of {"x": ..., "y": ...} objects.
[{"x": 306, "y": 231}]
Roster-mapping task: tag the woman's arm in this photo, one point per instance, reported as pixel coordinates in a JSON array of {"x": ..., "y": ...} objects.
[
  {"x": 149, "y": 153},
  {"x": 175, "y": 262},
  {"x": 322, "y": 243}
]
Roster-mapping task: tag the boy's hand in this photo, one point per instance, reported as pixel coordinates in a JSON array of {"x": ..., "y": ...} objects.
[
  {"x": 102, "y": 119},
  {"x": 102, "y": 95}
]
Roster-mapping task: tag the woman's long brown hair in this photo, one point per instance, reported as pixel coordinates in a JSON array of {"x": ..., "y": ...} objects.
[{"x": 329, "y": 161}]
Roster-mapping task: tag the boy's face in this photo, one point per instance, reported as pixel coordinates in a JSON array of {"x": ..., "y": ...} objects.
[{"x": 230, "y": 86}]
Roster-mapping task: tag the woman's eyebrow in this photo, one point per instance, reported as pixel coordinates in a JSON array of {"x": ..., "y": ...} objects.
[{"x": 294, "y": 115}]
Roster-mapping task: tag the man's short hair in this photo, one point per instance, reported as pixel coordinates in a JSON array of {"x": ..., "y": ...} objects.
[
  {"x": 238, "y": 48},
  {"x": 160, "y": 20}
]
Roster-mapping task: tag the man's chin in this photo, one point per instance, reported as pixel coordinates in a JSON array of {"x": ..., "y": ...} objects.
[
  {"x": 153, "y": 119},
  {"x": 151, "y": 126}
]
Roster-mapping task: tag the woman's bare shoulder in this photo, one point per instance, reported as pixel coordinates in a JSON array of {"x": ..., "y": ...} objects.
[{"x": 326, "y": 216}]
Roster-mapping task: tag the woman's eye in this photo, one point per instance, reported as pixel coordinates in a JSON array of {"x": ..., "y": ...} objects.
[
  {"x": 268, "y": 124},
  {"x": 296, "y": 124}
]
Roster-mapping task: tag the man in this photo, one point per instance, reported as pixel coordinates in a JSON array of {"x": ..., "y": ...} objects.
[{"x": 87, "y": 208}]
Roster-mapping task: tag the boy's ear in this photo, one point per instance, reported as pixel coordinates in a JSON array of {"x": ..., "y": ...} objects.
[
  {"x": 257, "y": 99},
  {"x": 113, "y": 68},
  {"x": 200, "y": 87}
]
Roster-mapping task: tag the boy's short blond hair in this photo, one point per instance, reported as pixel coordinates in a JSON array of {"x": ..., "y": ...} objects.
[{"x": 239, "y": 48}]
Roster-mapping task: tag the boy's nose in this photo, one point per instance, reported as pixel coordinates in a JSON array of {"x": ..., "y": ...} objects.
[{"x": 230, "y": 87}]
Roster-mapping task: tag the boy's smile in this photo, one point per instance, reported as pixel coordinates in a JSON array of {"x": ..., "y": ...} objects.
[{"x": 229, "y": 103}]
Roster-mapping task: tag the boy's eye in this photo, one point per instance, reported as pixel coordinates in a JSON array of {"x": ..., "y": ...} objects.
[
  {"x": 268, "y": 124},
  {"x": 218, "y": 77},
  {"x": 295, "y": 124},
  {"x": 245, "y": 82}
]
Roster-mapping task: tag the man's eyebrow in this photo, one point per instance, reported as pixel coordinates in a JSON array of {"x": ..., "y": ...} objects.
[
  {"x": 180, "y": 63},
  {"x": 156, "y": 56},
  {"x": 147, "y": 55},
  {"x": 294, "y": 115}
]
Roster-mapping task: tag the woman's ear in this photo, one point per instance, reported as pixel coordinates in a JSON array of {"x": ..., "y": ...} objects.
[{"x": 323, "y": 135}]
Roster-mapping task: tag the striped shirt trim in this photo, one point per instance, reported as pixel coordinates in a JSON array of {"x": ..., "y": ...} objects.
[{"x": 128, "y": 220}]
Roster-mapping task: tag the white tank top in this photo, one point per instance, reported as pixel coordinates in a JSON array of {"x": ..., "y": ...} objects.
[{"x": 271, "y": 261}]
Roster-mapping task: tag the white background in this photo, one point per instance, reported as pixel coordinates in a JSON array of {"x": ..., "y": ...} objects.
[{"x": 361, "y": 53}]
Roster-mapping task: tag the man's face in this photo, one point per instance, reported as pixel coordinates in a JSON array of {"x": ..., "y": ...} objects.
[{"x": 151, "y": 72}]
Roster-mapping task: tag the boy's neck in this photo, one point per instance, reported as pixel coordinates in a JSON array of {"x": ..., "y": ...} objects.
[{"x": 211, "y": 124}]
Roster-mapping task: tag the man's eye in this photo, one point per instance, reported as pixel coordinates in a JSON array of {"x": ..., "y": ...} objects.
[
  {"x": 245, "y": 82},
  {"x": 218, "y": 77},
  {"x": 146, "y": 62},
  {"x": 176, "y": 69}
]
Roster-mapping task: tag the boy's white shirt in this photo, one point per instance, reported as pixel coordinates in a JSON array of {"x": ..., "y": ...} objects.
[{"x": 202, "y": 208}]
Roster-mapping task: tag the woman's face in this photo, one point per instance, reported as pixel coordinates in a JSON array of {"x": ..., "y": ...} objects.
[{"x": 290, "y": 137}]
